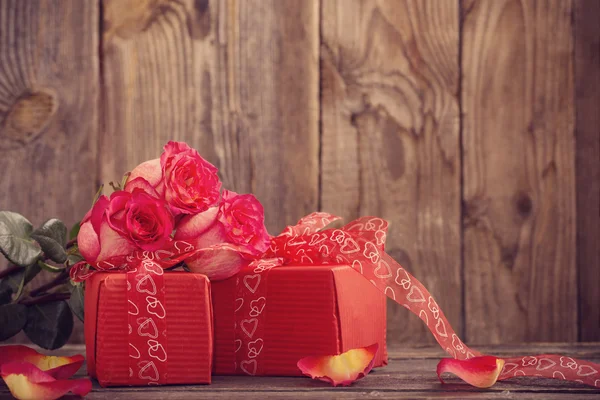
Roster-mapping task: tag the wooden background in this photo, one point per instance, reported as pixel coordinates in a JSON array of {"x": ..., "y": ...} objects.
[{"x": 472, "y": 126}]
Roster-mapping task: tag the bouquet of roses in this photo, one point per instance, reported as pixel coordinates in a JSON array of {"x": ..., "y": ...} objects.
[{"x": 173, "y": 206}]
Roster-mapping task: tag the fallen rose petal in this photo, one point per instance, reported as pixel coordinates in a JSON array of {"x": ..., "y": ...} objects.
[
  {"x": 57, "y": 367},
  {"x": 481, "y": 372},
  {"x": 26, "y": 381},
  {"x": 342, "y": 369},
  {"x": 220, "y": 261}
]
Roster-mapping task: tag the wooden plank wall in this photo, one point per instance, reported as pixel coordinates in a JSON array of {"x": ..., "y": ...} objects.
[
  {"x": 519, "y": 171},
  {"x": 472, "y": 126}
]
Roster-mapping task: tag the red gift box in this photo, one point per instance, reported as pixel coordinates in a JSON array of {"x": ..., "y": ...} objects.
[
  {"x": 267, "y": 320},
  {"x": 187, "y": 336}
]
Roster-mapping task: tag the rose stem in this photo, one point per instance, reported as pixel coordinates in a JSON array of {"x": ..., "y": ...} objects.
[
  {"x": 9, "y": 271},
  {"x": 61, "y": 278},
  {"x": 46, "y": 299}
]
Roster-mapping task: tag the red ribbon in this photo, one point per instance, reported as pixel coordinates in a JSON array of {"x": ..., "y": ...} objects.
[
  {"x": 361, "y": 244},
  {"x": 250, "y": 306},
  {"x": 147, "y": 325}
]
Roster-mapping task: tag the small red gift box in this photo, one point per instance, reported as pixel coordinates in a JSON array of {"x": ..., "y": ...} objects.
[
  {"x": 267, "y": 320},
  {"x": 179, "y": 347}
]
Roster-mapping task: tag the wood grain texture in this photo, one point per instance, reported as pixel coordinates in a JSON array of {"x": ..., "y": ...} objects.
[
  {"x": 390, "y": 144},
  {"x": 409, "y": 375},
  {"x": 587, "y": 104},
  {"x": 237, "y": 80},
  {"x": 519, "y": 177},
  {"x": 48, "y": 109}
]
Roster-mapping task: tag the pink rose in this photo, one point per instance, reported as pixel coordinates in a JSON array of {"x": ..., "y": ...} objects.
[
  {"x": 123, "y": 223},
  {"x": 229, "y": 236},
  {"x": 243, "y": 219},
  {"x": 187, "y": 182}
]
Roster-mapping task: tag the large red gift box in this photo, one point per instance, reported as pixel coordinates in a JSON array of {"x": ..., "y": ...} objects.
[
  {"x": 187, "y": 336},
  {"x": 267, "y": 320}
]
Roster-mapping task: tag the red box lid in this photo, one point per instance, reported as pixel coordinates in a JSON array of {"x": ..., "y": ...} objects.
[
  {"x": 310, "y": 310},
  {"x": 189, "y": 328}
]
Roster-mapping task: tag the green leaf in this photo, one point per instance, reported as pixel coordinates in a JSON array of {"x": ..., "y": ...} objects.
[
  {"x": 12, "y": 319},
  {"x": 76, "y": 301},
  {"x": 49, "y": 325},
  {"x": 17, "y": 281},
  {"x": 15, "y": 239},
  {"x": 124, "y": 179},
  {"x": 98, "y": 194},
  {"x": 74, "y": 231},
  {"x": 25, "y": 275},
  {"x": 115, "y": 186},
  {"x": 30, "y": 272},
  {"x": 52, "y": 237},
  {"x": 50, "y": 268},
  {"x": 54, "y": 229}
]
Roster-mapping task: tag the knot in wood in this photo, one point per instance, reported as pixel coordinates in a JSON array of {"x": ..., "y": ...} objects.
[{"x": 28, "y": 117}]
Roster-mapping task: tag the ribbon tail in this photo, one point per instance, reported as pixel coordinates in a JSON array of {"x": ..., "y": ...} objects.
[
  {"x": 552, "y": 366},
  {"x": 407, "y": 291},
  {"x": 361, "y": 245}
]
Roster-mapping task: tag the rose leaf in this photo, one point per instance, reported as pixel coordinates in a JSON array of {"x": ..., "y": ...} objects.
[
  {"x": 12, "y": 320},
  {"x": 49, "y": 325},
  {"x": 15, "y": 239}
]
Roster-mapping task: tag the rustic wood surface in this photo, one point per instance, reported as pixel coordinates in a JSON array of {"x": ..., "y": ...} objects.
[
  {"x": 390, "y": 137},
  {"x": 587, "y": 103},
  {"x": 48, "y": 111},
  {"x": 471, "y": 125},
  {"x": 519, "y": 176},
  {"x": 410, "y": 374},
  {"x": 213, "y": 74}
]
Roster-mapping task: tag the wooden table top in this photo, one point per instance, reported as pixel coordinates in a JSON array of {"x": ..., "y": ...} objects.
[{"x": 410, "y": 374}]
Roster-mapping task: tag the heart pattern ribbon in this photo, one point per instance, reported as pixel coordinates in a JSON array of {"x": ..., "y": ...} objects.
[
  {"x": 251, "y": 303},
  {"x": 147, "y": 324},
  {"x": 146, "y": 312},
  {"x": 361, "y": 244}
]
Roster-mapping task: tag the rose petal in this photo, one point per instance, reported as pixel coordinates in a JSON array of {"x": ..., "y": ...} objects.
[
  {"x": 88, "y": 242},
  {"x": 149, "y": 170},
  {"x": 112, "y": 244},
  {"x": 481, "y": 372},
  {"x": 57, "y": 367},
  {"x": 97, "y": 212},
  {"x": 193, "y": 226},
  {"x": 141, "y": 183},
  {"x": 342, "y": 369},
  {"x": 218, "y": 262},
  {"x": 26, "y": 381}
]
